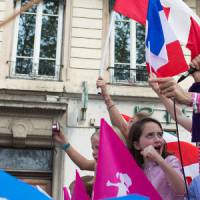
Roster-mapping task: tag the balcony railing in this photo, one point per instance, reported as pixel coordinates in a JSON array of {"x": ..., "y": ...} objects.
[
  {"x": 44, "y": 71},
  {"x": 122, "y": 73}
]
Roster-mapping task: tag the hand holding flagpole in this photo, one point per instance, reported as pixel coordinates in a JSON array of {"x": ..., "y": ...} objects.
[{"x": 105, "y": 48}]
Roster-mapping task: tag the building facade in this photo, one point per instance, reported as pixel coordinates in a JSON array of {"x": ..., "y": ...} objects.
[{"x": 49, "y": 60}]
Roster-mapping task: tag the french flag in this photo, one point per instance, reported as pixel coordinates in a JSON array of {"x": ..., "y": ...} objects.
[
  {"x": 163, "y": 51},
  {"x": 164, "y": 55},
  {"x": 185, "y": 23}
]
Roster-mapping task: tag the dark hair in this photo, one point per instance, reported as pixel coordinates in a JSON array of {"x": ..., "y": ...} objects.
[{"x": 135, "y": 133}]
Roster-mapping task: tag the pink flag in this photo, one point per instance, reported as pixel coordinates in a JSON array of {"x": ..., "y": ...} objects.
[
  {"x": 79, "y": 191},
  {"x": 133, "y": 9},
  {"x": 66, "y": 194},
  {"x": 117, "y": 173},
  {"x": 185, "y": 23}
]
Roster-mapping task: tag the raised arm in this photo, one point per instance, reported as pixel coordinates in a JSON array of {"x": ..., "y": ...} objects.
[
  {"x": 168, "y": 103},
  {"x": 171, "y": 167},
  {"x": 115, "y": 116},
  {"x": 82, "y": 162},
  {"x": 169, "y": 88}
]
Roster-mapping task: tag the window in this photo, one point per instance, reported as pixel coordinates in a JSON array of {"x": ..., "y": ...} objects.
[
  {"x": 37, "y": 41},
  {"x": 33, "y": 166},
  {"x": 38, "y": 160},
  {"x": 127, "y": 58}
]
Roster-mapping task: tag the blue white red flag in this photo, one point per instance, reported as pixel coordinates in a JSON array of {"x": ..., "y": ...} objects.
[
  {"x": 12, "y": 188},
  {"x": 185, "y": 23},
  {"x": 117, "y": 173},
  {"x": 163, "y": 51}
]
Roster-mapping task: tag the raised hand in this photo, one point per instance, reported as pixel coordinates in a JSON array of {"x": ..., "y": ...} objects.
[
  {"x": 170, "y": 88},
  {"x": 154, "y": 85},
  {"x": 60, "y": 137},
  {"x": 102, "y": 84}
]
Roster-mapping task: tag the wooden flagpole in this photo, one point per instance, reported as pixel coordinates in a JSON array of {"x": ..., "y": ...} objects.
[
  {"x": 105, "y": 48},
  {"x": 106, "y": 44},
  {"x": 149, "y": 54},
  {"x": 22, "y": 9}
]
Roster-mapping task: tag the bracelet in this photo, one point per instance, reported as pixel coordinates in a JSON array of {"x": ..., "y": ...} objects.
[
  {"x": 110, "y": 106},
  {"x": 65, "y": 146}
]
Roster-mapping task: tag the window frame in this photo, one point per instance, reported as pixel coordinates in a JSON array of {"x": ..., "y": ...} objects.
[
  {"x": 34, "y": 177},
  {"x": 36, "y": 49},
  {"x": 133, "y": 50}
]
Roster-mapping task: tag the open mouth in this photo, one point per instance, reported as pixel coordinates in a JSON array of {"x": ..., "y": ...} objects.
[{"x": 158, "y": 148}]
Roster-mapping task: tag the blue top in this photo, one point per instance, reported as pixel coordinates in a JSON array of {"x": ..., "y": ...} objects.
[{"x": 194, "y": 189}]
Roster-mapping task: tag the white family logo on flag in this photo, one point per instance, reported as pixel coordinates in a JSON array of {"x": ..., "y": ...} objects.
[
  {"x": 123, "y": 184},
  {"x": 125, "y": 177}
]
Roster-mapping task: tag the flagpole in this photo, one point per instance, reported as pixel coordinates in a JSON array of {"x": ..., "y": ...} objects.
[
  {"x": 16, "y": 13},
  {"x": 149, "y": 54},
  {"x": 106, "y": 47}
]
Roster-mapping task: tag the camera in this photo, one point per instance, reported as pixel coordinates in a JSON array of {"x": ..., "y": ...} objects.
[{"x": 55, "y": 128}]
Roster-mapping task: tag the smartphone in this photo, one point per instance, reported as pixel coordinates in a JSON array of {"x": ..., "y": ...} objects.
[{"x": 56, "y": 128}]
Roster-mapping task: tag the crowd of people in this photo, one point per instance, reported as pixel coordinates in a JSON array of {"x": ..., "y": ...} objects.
[{"x": 143, "y": 136}]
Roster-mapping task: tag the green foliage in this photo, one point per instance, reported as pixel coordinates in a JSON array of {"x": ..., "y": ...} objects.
[{"x": 111, "y": 4}]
